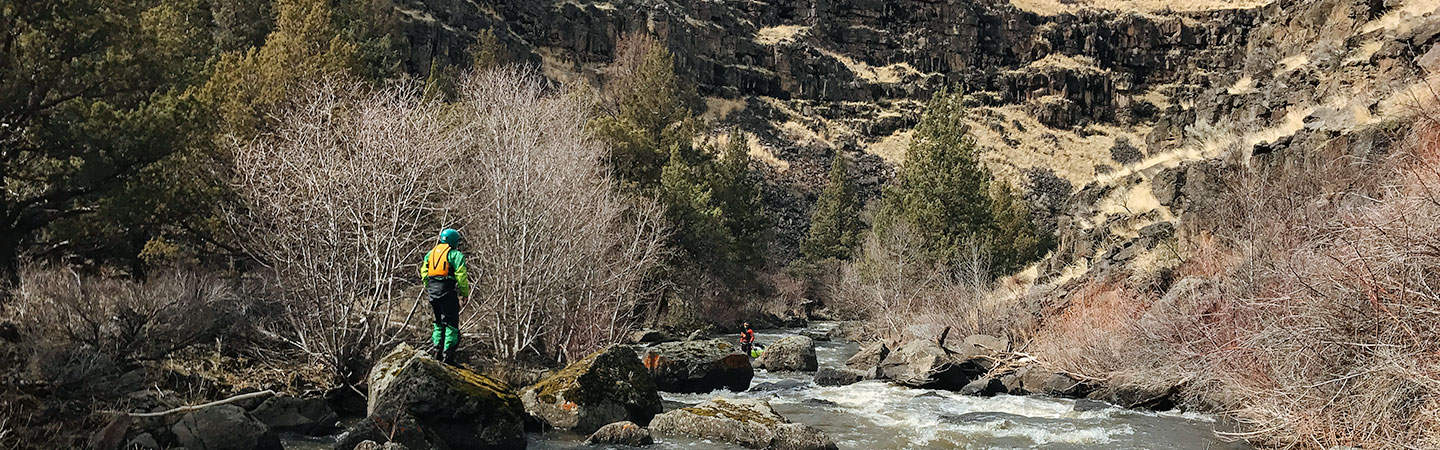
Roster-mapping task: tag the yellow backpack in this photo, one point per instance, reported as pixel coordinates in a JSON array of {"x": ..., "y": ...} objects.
[{"x": 437, "y": 262}]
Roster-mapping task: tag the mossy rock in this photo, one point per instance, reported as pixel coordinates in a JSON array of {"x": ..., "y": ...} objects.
[
  {"x": 747, "y": 423},
  {"x": 610, "y": 385},
  {"x": 464, "y": 409}
]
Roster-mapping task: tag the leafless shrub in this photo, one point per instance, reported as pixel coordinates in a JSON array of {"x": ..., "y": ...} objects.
[
  {"x": 903, "y": 294},
  {"x": 564, "y": 257},
  {"x": 85, "y": 325},
  {"x": 338, "y": 201},
  {"x": 344, "y": 198},
  {"x": 1309, "y": 311}
]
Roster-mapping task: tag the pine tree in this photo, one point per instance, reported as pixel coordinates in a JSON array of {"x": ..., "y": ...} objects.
[
  {"x": 645, "y": 113},
  {"x": 835, "y": 222},
  {"x": 306, "y": 45},
  {"x": 710, "y": 196},
  {"x": 740, "y": 202},
  {"x": 951, "y": 200}
]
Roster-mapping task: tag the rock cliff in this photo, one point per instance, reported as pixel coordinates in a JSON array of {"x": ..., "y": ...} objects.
[{"x": 1088, "y": 105}]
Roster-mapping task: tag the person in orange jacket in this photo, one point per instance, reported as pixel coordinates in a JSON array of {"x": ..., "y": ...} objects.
[
  {"x": 446, "y": 281},
  {"x": 747, "y": 338}
]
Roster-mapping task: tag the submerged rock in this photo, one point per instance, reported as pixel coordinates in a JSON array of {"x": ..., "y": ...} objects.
[
  {"x": 621, "y": 433},
  {"x": 747, "y": 423},
  {"x": 422, "y": 403},
  {"x": 831, "y": 376},
  {"x": 781, "y": 385},
  {"x": 606, "y": 387},
  {"x": 795, "y": 353},
  {"x": 698, "y": 366}
]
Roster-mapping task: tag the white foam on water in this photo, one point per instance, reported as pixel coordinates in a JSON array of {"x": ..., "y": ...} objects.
[{"x": 1041, "y": 435}]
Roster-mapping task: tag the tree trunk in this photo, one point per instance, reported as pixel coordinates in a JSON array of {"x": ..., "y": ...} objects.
[{"x": 9, "y": 266}]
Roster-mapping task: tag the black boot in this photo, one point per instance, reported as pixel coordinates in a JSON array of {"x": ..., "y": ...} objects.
[
  {"x": 448, "y": 357},
  {"x": 436, "y": 353}
]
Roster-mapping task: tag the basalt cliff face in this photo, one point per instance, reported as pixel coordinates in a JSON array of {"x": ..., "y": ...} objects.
[{"x": 1116, "y": 120}]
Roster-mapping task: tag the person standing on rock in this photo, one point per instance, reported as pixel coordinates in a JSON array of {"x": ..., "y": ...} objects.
[{"x": 445, "y": 283}]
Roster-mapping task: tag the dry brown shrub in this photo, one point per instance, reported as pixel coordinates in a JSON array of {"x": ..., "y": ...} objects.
[
  {"x": 902, "y": 294},
  {"x": 79, "y": 327}
]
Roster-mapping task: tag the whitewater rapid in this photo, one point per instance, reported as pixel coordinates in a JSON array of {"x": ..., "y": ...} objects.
[{"x": 877, "y": 415}]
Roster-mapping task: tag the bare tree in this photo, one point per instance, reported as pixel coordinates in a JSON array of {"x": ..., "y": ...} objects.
[
  {"x": 565, "y": 256},
  {"x": 344, "y": 198},
  {"x": 338, "y": 201}
]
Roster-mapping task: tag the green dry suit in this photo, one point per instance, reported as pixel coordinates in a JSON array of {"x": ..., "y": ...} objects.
[{"x": 444, "y": 273}]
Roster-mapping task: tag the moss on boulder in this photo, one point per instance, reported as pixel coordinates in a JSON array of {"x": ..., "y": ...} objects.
[
  {"x": 424, "y": 403},
  {"x": 608, "y": 386},
  {"x": 747, "y": 423}
]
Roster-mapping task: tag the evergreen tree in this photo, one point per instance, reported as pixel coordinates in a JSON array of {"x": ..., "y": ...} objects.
[
  {"x": 87, "y": 101},
  {"x": 306, "y": 45},
  {"x": 740, "y": 201},
  {"x": 950, "y": 199},
  {"x": 711, "y": 198},
  {"x": 835, "y": 220},
  {"x": 691, "y": 206},
  {"x": 645, "y": 113}
]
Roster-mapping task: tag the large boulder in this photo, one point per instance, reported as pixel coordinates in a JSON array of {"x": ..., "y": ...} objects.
[
  {"x": 747, "y": 423},
  {"x": 423, "y": 403},
  {"x": 831, "y": 376},
  {"x": 698, "y": 366},
  {"x": 1158, "y": 397},
  {"x": 293, "y": 414},
  {"x": 869, "y": 356},
  {"x": 1037, "y": 380},
  {"x": 223, "y": 427},
  {"x": 608, "y": 386},
  {"x": 647, "y": 336},
  {"x": 928, "y": 364},
  {"x": 621, "y": 433},
  {"x": 795, "y": 353}
]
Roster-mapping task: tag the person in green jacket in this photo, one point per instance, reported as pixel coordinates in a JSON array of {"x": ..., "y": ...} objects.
[{"x": 445, "y": 282}]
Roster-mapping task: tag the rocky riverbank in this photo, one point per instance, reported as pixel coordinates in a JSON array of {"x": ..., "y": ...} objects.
[{"x": 973, "y": 386}]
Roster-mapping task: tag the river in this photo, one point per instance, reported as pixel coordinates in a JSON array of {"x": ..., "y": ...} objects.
[{"x": 877, "y": 415}]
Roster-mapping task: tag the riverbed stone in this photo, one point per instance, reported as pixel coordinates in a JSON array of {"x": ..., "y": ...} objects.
[
  {"x": 780, "y": 385},
  {"x": 648, "y": 336},
  {"x": 984, "y": 387},
  {"x": 223, "y": 427},
  {"x": 698, "y": 366},
  {"x": 924, "y": 363},
  {"x": 1038, "y": 380},
  {"x": 294, "y": 414},
  {"x": 793, "y": 353},
  {"x": 1157, "y": 397},
  {"x": 869, "y": 356},
  {"x": 834, "y": 376},
  {"x": 744, "y": 422},
  {"x": 608, "y": 386},
  {"x": 621, "y": 433},
  {"x": 423, "y": 403}
]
